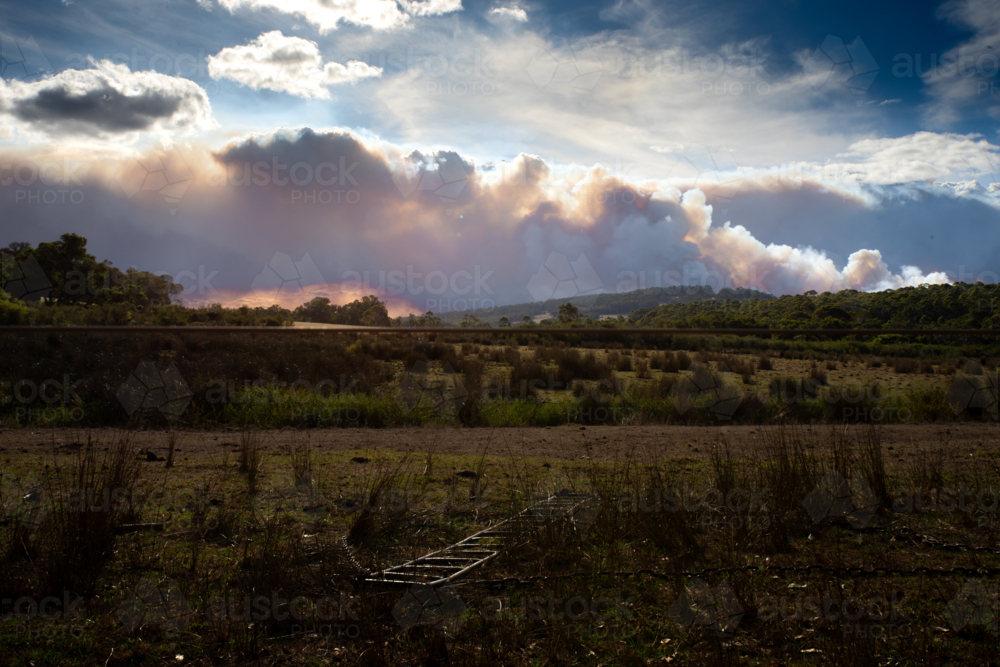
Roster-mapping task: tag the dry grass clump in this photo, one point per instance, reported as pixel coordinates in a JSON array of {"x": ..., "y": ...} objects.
[
  {"x": 63, "y": 531},
  {"x": 252, "y": 457},
  {"x": 527, "y": 377},
  {"x": 572, "y": 365},
  {"x": 905, "y": 365},
  {"x": 171, "y": 448},
  {"x": 301, "y": 459},
  {"x": 817, "y": 374},
  {"x": 621, "y": 361}
]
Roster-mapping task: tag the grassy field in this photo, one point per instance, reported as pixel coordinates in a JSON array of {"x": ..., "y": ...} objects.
[
  {"x": 787, "y": 529},
  {"x": 350, "y": 380},
  {"x": 252, "y": 554}
]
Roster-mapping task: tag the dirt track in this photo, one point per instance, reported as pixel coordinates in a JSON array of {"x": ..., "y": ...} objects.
[{"x": 566, "y": 442}]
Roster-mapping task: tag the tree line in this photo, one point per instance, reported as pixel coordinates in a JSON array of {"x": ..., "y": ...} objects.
[{"x": 60, "y": 283}]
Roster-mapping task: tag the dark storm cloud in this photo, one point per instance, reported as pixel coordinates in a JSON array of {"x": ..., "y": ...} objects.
[
  {"x": 106, "y": 100},
  {"x": 104, "y": 108}
]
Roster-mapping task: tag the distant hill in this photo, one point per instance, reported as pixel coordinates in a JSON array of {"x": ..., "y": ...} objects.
[
  {"x": 614, "y": 304},
  {"x": 958, "y": 306}
]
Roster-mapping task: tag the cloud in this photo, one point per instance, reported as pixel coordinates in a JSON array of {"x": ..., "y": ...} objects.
[
  {"x": 512, "y": 13},
  {"x": 964, "y": 78},
  {"x": 431, "y": 7},
  {"x": 328, "y": 14},
  {"x": 605, "y": 98},
  {"x": 349, "y": 204},
  {"x": 923, "y": 156},
  {"x": 106, "y": 101},
  {"x": 286, "y": 64},
  {"x": 903, "y": 168}
]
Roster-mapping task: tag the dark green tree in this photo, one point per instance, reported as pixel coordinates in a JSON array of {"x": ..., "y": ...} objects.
[{"x": 568, "y": 313}]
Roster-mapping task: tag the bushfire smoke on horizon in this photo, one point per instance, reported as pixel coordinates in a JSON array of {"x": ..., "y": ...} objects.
[
  {"x": 446, "y": 155},
  {"x": 283, "y": 217}
]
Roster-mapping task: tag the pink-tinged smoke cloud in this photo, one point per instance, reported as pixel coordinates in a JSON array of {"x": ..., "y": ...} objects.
[{"x": 437, "y": 232}]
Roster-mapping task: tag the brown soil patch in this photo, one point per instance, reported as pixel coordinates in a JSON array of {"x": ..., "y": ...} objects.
[{"x": 571, "y": 442}]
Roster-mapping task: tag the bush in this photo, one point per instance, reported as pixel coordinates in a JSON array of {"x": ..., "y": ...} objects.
[
  {"x": 817, "y": 374},
  {"x": 12, "y": 311},
  {"x": 526, "y": 377},
  {"x": 574, "y": 366},
  {"x": 854, "y": 405},
  {"x": 625, "y": 364},
  {"x": 673, "y": 362}
]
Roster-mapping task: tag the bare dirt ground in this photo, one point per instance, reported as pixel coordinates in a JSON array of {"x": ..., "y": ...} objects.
[{"x": 900, "y": 441}]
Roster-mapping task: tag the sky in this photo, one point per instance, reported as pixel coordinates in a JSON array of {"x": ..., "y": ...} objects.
[{"x": 452, "y": 154}]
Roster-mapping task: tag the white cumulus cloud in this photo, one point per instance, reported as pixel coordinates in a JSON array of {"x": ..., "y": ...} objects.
[
  {"x": 286, "y": 64},
  {"x": 431, "y": 7},
  {"x": 512, "y": 13},
  {"x": 328, "y": 14}
]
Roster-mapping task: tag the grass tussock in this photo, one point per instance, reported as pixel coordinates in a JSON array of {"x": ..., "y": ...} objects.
[{"x": 252, "y": 457}]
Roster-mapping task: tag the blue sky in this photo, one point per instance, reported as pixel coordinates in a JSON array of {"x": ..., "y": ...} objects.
[{"x": 797, "y": 134}]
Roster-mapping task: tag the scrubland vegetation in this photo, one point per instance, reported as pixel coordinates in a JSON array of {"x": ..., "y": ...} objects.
[
  {"x": 327, "y": 378},
  {"x": 779, "y": 549}
]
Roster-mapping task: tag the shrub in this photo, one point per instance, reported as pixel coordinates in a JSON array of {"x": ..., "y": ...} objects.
[
  {"x": 854, "y": 404},
  {"x": 817, "y": 374},
  {"x": 527, "y": 377},
  {"x": 625, "y": 364},
  {"x": 12, "y": 311},
  {"x": 658, "y": 361}
]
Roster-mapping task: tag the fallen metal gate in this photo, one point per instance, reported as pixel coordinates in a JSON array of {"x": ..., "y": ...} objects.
[{"x": 453, "y": 562}]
